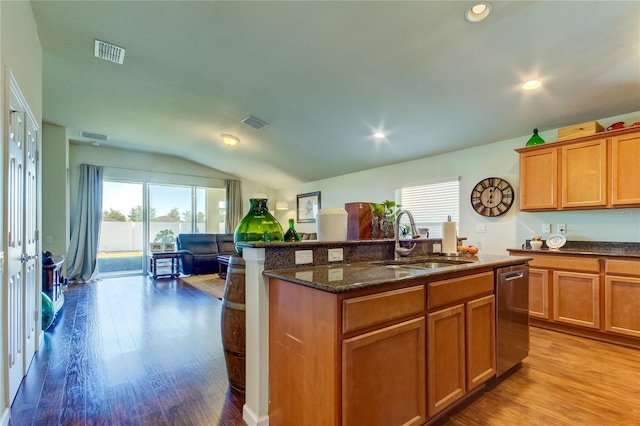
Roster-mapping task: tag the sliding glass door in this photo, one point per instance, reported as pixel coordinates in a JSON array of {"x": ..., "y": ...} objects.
[
  {"x": 136, "y": 214},
  {"x": 120, "y": 248}
]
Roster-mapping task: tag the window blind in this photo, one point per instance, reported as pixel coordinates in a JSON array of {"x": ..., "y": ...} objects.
[{"x": 431, "y": 204}]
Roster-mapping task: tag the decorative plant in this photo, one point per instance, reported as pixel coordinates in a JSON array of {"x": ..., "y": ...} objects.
[
  {"x": 165, "y": 236},
  {"x": 391, "y": 210},
  {"x": 386, "y": 213}
]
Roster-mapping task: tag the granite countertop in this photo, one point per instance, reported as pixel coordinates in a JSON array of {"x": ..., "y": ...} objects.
[
  {"x": 345, "y": 277},
  {"x": 591, "y": 248}
]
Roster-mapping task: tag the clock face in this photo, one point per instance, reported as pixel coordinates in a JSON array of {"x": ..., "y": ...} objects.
[{"x": 492, "y": 197}]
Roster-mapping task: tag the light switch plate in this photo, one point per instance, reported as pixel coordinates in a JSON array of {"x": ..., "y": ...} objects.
[
  {"x": 304, "y": 256},
  {"x": 546, "y": 228},
  {"x": 335, "y": 255},
  {"x": 481, "y": 228}
]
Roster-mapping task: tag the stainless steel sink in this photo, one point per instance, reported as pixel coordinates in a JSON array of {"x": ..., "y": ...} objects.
[
  {"x": 419, "y": 264},
  {"x": 422, "y": 265}
]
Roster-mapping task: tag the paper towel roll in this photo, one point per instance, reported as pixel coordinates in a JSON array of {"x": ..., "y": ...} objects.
[{"x": 449, "y": 238}]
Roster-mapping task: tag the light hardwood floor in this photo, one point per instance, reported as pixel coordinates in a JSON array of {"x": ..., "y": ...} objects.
[
  {"x": 565, "y": 380},
  {"x": 134, "y": 351}
]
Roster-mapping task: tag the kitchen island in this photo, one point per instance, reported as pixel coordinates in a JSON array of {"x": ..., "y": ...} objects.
[{"x": 365, "y": 341}]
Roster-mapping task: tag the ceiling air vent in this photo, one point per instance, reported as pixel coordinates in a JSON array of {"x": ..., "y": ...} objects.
[
  {"x": 109, "y": 52},
  {"x": 254, "y": 122},
  {"x": 97, "y": 136}
]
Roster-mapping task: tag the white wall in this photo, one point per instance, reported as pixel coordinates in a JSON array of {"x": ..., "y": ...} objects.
[
  {"x": 55, "y": 168},
  {"x": 472, "y": 165},
  {"x": 20, "y": 53}
]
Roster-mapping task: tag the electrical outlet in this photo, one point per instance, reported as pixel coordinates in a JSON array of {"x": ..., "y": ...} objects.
[
  {"x": 562, "y": 228},
  {"x": 546, "y": 228},
  {"x": 48, "y": 239},
  {"x": 437, "y": 248},
  {"x": 335, "y": 255},
  {"x": 304, "y": 256},
  {"x": 336, "y": 274},
  {"x": 481, "y": 228}
]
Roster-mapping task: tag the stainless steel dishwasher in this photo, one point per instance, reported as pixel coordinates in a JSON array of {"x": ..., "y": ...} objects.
[{"x": 512, "y": 300}]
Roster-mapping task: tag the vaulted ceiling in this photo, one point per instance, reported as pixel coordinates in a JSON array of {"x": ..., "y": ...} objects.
[{"x": 326, "y": 74}]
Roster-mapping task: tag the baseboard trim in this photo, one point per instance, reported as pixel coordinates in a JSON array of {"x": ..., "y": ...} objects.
[{"x": 251, "y": 419}]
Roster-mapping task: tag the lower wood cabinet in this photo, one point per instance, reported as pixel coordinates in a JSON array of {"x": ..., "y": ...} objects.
[
  {"x": 481, "y": 341},
  {"x": 576, "y": 298},
  {"x": 460, "y": 351},
  {"x": 539, "y": 293},
  {"x": 592, "y": 296},
  {"x": 622, "y": 297},
  {"x": 383, "y": 376},
  {"x": 622, "y": 305},
  {"x": 446, "y": 358}
]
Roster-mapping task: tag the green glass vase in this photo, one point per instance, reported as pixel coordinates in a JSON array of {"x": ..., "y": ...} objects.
[
  {"x": 258, "y": 225},
  {"x": 535, "y": 139},
  {"x": 292, "y": 235}
]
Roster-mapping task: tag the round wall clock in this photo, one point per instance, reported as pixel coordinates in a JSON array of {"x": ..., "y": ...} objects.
[{"x": 492, "y": 197}]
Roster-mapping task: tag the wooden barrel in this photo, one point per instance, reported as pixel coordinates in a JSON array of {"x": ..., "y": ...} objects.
[{"x": 233, "y": 325}]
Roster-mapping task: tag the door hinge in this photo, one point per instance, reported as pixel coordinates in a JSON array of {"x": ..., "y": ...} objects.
[
  {"x": 35, "y": 315},
  {"x": 37, "y": 236}
]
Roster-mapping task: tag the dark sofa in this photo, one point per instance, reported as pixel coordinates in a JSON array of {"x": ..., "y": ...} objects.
[{"x": 199, "y": 252}]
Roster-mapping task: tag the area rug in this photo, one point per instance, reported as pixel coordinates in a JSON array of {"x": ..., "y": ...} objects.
[{"x": 209, "y": 283}]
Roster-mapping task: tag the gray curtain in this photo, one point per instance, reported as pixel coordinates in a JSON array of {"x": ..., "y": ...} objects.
[
  {"x": 82, "y": 256},
  {"x": 234, "y": 205}
]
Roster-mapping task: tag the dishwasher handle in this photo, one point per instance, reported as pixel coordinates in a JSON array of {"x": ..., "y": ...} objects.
[{"x": 512, "y": 276}]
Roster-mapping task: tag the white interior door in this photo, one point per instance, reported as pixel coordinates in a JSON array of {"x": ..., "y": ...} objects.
[
  {"x": 22, "y": 262},
  {"x": 31, "y": 243},
  {"x": 15, "y": 245}
]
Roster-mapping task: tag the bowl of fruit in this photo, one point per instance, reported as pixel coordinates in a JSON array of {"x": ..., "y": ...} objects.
[{"x": 468, "y": 250}]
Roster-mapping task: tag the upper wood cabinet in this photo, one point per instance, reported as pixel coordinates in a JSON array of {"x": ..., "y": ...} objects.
[
  {"x": 539, "y": 179},
  {"x": 597, "y": 171},
  {"x": 584, "y": 174},
  {"x": 625, "y": 172}
]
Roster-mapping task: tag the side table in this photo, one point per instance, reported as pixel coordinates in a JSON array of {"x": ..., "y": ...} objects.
[
  {"x": 164, "y": 264},
  {"x": 223, "y": 264}
]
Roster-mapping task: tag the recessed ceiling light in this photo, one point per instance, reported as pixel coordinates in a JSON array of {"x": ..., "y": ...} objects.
[
  {"x": 379, "y": 135},
  {"x": 531, "y": 85},
  {"x": 230, "y": 139},
  {"x": 478, "y": 12}
]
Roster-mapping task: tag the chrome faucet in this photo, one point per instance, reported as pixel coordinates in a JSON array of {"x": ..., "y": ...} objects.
[{"x": 403, "y": 251}]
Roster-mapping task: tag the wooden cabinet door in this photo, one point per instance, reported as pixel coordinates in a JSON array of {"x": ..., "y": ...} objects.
[
  {"x": 539, "y": 179},
  {"x": 621, "y": 305},
  {"x": 481, "y": 341},
  {"x": 539, "y": 293},
  {"x": 383, "y": 376},
  {"x": 303, "y": 356},
  {"x": 625, "y": 173},
  {"x": 584, "y": 174},
  {"x": 576, "y": 298},
  {"x": 445, "y": 358}
]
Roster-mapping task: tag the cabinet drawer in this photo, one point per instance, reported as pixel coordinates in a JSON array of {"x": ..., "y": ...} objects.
[
  {"x": 372, "y": 309},
  {"x": 622, "y": 267},
  {"x": 459, "y": 289},
  {"x": 566, "y": 263}
]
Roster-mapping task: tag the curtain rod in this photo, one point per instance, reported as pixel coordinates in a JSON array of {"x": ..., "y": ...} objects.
[{"x": 155, "y": 171}]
